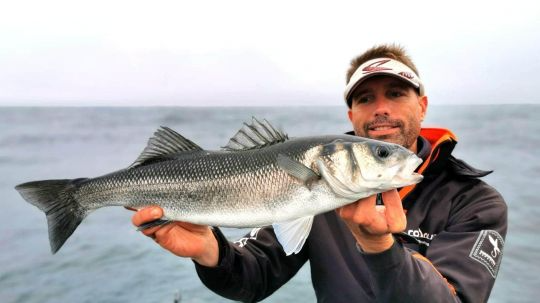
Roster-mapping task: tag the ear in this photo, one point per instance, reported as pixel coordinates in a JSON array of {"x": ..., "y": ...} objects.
[
  {"x": 423, "y": 101},
  {"x": 350, "y": 114}
]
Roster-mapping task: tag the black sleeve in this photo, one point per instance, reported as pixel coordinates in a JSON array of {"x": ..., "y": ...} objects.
[
  {"x": 460, "y": 264},
  {"x": 251, "y": 269}
]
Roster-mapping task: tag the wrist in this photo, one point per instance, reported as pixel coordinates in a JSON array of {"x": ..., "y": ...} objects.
[
  {"x": 208, "y": 260},
  {"x": 210, "y": 256},
  {"x": 375, "y": 244}
]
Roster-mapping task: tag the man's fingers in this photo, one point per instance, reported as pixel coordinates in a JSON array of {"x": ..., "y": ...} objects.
[
  {"x": 191, "y": 227},
  {"x": 347, "y": 211},
  {"x": 162, "y": 236},
  {"x": 360, "y": 212},
  {"x": 147, "y": 214},
  {"x": 150, "y": 232},
  {"x": 391, "y": 198},
  {"x": 365, "y": 210},
  {"x": 394, "y": 213}
]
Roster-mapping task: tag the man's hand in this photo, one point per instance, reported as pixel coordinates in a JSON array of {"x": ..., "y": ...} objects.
[
  {"x": 372, "y": 225},
  {"x": 181, "y": 238}
]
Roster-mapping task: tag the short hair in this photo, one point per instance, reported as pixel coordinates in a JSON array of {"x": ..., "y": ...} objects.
[{"x": 392, "y": 51}]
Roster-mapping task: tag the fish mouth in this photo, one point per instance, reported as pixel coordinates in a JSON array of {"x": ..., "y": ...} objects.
[
  {"x": 415, "y": 178},
  {"x": 412, "y": 164},
  {"x": 400, "y": 174},
  {"x": 407, "y": 175}
]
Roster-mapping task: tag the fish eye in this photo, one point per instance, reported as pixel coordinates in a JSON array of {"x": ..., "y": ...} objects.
[{"x": 382, "y": 151}]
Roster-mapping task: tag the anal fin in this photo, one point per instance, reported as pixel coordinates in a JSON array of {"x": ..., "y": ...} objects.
[{"x": 293, "y": 234}]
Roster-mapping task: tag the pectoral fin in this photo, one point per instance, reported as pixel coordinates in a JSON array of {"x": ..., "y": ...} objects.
[
  {"x": 293, "y": 234},
  {"x": 297, "y": 170}
]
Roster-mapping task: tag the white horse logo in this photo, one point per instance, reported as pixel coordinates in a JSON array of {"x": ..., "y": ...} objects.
[{"x": 496, "y": 250}]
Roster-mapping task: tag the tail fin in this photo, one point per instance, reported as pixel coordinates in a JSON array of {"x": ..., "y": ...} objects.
[{"x": 55, "y": 198}]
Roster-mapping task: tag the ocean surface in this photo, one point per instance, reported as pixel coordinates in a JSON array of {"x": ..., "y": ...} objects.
[{"x": 106, "y": 260}]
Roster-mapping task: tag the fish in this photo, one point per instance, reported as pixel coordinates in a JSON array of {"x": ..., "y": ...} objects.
[{"x": 260, "y": 178}]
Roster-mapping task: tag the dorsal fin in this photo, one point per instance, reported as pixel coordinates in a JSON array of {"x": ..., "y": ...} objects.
[
  {"x": 164, "y": 144},
  {"x": 255, "y": 135}
]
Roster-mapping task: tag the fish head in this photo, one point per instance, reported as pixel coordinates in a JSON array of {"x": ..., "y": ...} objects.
[{"x": 363, "y": 164}]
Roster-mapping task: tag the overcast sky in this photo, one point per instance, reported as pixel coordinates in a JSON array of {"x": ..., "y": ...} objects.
[{"x": 209, "y": 53}]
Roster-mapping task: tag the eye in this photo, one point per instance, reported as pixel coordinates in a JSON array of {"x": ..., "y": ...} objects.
[
  {"x": 362, "y": 99},
  {"x": 382, "y": 152},
  {"x": 396, "y": 93}
]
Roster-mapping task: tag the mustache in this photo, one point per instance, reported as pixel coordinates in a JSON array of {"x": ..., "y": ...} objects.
[{"x": 382, "y": 120}]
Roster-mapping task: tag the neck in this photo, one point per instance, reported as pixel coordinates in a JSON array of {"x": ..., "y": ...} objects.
[{"x": 414, "y": 147}]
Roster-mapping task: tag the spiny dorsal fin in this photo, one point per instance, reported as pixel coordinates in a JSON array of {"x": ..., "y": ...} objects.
[
  {"x": 164, "y": 144},
  {"x": 255, "y": 135}
]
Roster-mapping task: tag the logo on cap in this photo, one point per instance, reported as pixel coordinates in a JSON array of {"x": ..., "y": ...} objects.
[
  {"x": 376, "y": 67},
  {"x": 406, "y": 75}
]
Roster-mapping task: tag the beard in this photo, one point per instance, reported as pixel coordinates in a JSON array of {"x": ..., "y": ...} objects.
[{"x": 406, "y": 136}]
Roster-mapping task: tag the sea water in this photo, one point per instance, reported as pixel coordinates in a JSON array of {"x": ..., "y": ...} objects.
[{"x": 107, "y": 260}]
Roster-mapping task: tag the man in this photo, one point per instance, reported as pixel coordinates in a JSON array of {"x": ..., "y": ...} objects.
[{"x": 438, "y": 241}]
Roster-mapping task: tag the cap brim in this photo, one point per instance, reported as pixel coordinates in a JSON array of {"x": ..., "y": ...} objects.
[
  {"x": 378, "y": 74},
  {"x": 382, "y": 67}
]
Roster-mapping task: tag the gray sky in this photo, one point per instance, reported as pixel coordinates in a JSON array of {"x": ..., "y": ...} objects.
[{"x": 209, "y": 53}]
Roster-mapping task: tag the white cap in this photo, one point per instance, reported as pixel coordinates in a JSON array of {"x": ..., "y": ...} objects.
[{"x": 382, "y": 66}]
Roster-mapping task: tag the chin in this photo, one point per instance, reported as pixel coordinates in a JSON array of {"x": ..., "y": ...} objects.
[{"x": 390, "y": 139}]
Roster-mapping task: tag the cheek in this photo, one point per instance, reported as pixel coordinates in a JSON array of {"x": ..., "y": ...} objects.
[
  {"x": 419, "y": 111},
  {"x": 413, "y": 128},
  {"x": 358, "y": 122},
  {"x": 418, "y": 117},
  {"x": 413, "y": 115}
]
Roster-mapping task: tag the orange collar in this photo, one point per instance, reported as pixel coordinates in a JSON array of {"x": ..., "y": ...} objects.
[{"x": 435, "y": 136}]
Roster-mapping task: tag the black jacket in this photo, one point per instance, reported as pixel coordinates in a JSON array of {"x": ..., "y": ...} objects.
[{"x": 450, "y": 252}]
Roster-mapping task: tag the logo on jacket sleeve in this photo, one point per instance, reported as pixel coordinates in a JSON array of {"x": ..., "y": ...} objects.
[
  {"x": 252, "y": 236},
  {"x": 488, "y": 250}
]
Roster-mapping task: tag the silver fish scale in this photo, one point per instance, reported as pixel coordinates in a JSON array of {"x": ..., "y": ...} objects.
[{"x": 205, "y": 187}]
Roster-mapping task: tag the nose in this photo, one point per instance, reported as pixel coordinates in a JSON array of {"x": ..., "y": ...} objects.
[{"x": 381, "y": 106}]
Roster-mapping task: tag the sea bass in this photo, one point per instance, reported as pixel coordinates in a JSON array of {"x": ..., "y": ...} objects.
[{"x": 261, "y": 177}]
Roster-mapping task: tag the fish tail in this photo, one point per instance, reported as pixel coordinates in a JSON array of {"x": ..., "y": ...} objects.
[{"x": 56, "y": 199}]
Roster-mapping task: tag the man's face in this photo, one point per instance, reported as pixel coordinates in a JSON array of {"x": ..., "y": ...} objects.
[{"x": 388, "y": 109}]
